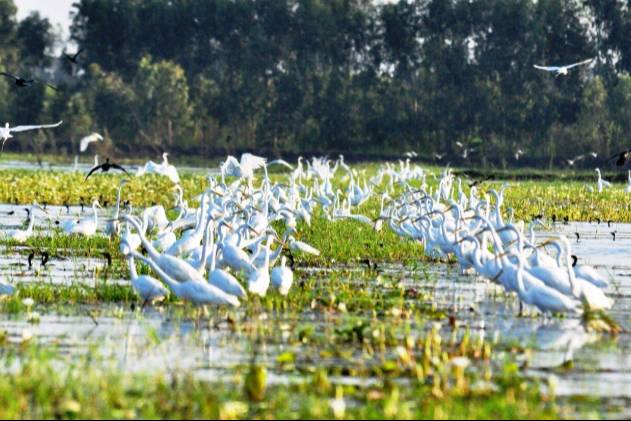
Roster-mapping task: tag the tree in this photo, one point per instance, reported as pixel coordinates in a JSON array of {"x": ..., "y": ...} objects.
[
  {"x": 593, "y": 126},
  {"x": 113, "y": 106},
  {"x": 34, "y": 37},
  {"x": 620, "y": 111},
  {"x": 164, "y": 112}
]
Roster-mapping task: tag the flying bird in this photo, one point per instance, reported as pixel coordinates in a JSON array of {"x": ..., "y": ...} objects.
[
  {"x": 574, "y": 160},
  {"x": 93, "y": 137},
  {"x": 5, "y": 132},
  {"x": 164, "y": 169},
  {"x": 466, "y": 152},
  {"x": 280, "y": 162},
  {"x": 621, "y": 157},
  {"x": 562, "y": 70},
  {"x": 73, "y": 58},
  {"x": 245, "y": 168},
  {"x": 518, "y": 154},
  {"x": 105, "y": 167},
  {"x": 23, "y": 83},
  {"x": 479, "y": 181}
]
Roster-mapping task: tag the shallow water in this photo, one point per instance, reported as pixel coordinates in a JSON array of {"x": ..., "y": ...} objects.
[
  {"x": 157, "y": 339},
  {"x": 85, "y": 164}
]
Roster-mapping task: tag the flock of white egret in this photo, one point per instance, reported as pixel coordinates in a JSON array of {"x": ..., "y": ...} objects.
[
  {"x": 472, "y": 229},
  {"x": 228, "y": 247}
]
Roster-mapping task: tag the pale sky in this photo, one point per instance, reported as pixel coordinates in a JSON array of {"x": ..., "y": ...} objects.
[{"x": 58, "y": 11}]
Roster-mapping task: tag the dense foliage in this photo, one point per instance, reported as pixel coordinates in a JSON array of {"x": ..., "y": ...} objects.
[{"x": 207, "y": 77}]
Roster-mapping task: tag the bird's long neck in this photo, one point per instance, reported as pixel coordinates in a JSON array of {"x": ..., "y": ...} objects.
[
  {"x": 213, "y": 257},
  {"x": 476, "y": 255},
  {"x": 568, "y": 264},
  {"x": 31, "y": 221},
  {"x": 96, "y": 217},
  {"x": 146, "y": 243},
  {"x": 132, "y": 267},
  {"x": 520, "y": 274},
  {"x": 118, "y": 202},
  {"x": 201, "y": 221},
  {"x": 268, "y": 244},
  {"x": 532, "y": 233},
  {"x": 208, "y": 230},
  {"x": 174, "y": 285}
]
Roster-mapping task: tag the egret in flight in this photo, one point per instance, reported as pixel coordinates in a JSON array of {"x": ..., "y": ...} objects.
[
  {"x": 93, "y": 137},
  {"x": 562, "y": 70},
  {"x": 5, "y": 132}
]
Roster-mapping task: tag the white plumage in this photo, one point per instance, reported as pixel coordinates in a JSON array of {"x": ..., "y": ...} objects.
[{"x": 85, "y": 142}]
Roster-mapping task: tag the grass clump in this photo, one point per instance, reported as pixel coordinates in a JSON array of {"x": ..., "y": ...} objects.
[{"x": 90, "y": 388}]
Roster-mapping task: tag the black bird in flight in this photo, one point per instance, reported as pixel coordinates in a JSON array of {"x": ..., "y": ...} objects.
[
  {"x": 621, "y": 157},
  {"x": 105, "y": 167},
  {"x": 73, "y": 58},
  {"x": 477, "y": 182},
  {"x": 23, "y": 83}
]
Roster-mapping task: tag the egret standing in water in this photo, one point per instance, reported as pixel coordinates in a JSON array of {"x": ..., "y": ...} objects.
[
  {"x": 147, "y": 287},
  {"x": 602, "y": 183},
  {"x": 198, "y": 293},
  {"x": 282, "y": 277}
]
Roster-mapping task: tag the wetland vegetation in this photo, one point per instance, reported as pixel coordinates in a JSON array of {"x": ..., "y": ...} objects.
[{"x": 364, "y": 333}]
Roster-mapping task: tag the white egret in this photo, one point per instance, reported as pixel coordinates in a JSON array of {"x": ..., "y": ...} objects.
[
  {"x": 562, "y": 70},
  {"x": 165, "y": 169},
  {"x": 300, "y": 246},
  {"x": 259, "y": 280},
  {"x": 547, "y": 299},
  {"x": 85, "y": 142},
  {"x": 174, "y": 267},
  {"x": 21, "y": 235},
  {"x": 282, "y": 277},
  {"x": 243, "y": 169},
  {"x": 198, "y": 293},
  {"x": 222, "y": 279},
  {"x": 112, "y": 227},
  {"x": 87, "y": 226},
  {"x": 5, "y": 132},
  {"x": 601, "y": 183},
  {"x": 147, "y": 287},
  {"x": 281, "y": 162}
]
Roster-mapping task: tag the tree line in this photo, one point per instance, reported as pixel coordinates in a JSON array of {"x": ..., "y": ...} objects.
[{"x": 209, "y": 77}]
